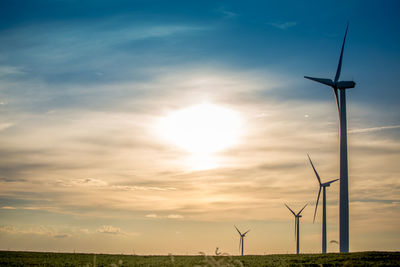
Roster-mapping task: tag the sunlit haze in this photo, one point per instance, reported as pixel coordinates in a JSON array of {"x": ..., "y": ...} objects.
[{"x": 201, "y": 130}]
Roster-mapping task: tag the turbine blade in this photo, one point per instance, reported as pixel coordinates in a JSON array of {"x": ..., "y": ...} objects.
[
  {"x": 339, "y": 68},
  {"x": 290, "y": 209},
  {"x": 316, "y": 204},
  {"x": 302, "y": 209},
  {"x": 246, "y": 232},
  {"x": 337, "y": 99},
  {"x": 240, "y": 244},
  {"x": 316, "y": 173},
  {"x": 295, "y": 228},
  {"x": 238, "y": 230},
  {"x": 328, "y": 82},
  {"x": 331, "y": 181}
]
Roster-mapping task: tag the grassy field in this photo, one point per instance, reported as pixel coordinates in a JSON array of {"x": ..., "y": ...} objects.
[{"x": 10, "y": 258}]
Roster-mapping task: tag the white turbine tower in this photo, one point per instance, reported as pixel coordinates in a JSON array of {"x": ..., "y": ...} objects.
[
  {"x": 241, "y": 242},
  {"x": 297, "y": 226},
  {"x": 322, "y": 186},
  {"x": 344, "y": 187}
]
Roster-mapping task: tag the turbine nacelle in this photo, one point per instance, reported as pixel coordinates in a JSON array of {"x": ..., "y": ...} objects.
[
  {"x": 345, "y": 85},
  {"x": 328, "y": 184},
  {"x": 335, "y": 85}
]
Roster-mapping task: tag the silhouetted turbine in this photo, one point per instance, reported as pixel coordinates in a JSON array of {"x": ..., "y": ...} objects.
[
  {"x": 241, "y": 242},
  {"x": 297, "y": 226},
  {"x": 344, "y": 188},
  {"x": 322, "y": 186}
]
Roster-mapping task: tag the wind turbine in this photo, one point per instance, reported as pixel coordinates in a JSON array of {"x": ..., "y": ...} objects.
[
  {"x": 344, "y": 187},
  {"x": 241, "y": 242},
  {"x": 322, "y": 186},
  {"x": 296, "y": 226}
]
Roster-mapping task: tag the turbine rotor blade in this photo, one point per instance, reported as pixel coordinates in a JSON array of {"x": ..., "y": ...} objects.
[
  {"x": 290, "y": 209},
  {"x": 316, "y": 173},
  {"x": 246, "y": 232},
  {"x": 339, "y": 68},
  {"x": 302, "y": 209},
  {"x": 331, "y": 181},
  {"x": 316, "y": 204},
  {"x": 238, "y": 230},
  {"x": 295, "y": 228},
  {"x": 337, "y": 99},
  {"x": 328, "y": 82}
]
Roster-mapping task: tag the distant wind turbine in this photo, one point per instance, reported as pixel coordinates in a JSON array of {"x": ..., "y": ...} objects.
[
  {"x": 297, "y": 226},
  {"x": 344, "y": 188},
  {"x": 241, "y": 242},
  {"x": 322, "y": 186}
]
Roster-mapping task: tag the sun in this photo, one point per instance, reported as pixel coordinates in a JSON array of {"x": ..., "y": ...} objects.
[{"x": 202, "y": 129}]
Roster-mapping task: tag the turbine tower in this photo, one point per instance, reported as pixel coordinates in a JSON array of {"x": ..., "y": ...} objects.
[
  {"x": 322, "y": 186},
  {"x": 241, "y": 242},
  {"x": 297, "y": 226},
  {"x": 344, "y": 187}
]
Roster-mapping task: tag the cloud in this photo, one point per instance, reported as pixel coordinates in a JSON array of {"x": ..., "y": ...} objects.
[
  {"x": 8, "y": 208},
  {"x": 90, "y": 182},
  {"x": 61, "y": 236},
  {"x": 67, "y": 52},
  {"x": 4, "y": 126},
  {"x": 142, "y": 188},
  {"x": 37, "y": 230},
  {"x": 283, "y": 25},
  {"x": 169, "y": 216},
  {"x": 9, "y": 70},
  {"x": 174, "y": 216},
  {"x": 108, "y": 229},
  {"x": 374, "y": 129},
  {"x": 8, "y": 229},
  {"x": 226, "y": 13}
]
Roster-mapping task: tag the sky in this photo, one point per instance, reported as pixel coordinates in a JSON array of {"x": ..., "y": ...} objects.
[{"x": 154, "y": 127}]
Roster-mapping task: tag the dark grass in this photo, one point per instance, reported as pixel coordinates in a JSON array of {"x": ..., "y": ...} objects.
[{"x": 12, "y": 258}]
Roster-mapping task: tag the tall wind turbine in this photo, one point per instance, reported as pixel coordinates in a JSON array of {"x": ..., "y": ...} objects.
[
  {"x": 241, "y": 242},
  {"x": 297, "y": 217},
  {"x": 344, "y": 188},
  {"x": 322, "y": 186}
]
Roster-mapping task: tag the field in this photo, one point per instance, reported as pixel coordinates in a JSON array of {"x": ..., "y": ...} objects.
[{"x": 11, "y": 258}]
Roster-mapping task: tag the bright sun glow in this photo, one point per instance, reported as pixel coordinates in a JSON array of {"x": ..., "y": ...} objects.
[{"x": 202, "y": 129}]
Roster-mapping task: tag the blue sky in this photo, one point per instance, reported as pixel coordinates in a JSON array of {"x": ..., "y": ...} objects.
[{"x": 84, "y": 84}]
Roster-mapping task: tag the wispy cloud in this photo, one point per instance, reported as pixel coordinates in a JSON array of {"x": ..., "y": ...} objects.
[
  {"x": 174, "y": 216},
  {"x": 9, "y": 70},
  {"x": 8, "y": 208},
  {"x": 5, "y": 125},
  {"x": 37, "y": 230},
  {"x": 108, "y": 229},
  {"x": 169, "y": 216},
  {"x": 62, "y": 236},
  {"x": 71, "y": 50},
  {"x": 226, "y": 13},
  {"x": 374, "y": 129},
  {"x": 283, "y": 25}
]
